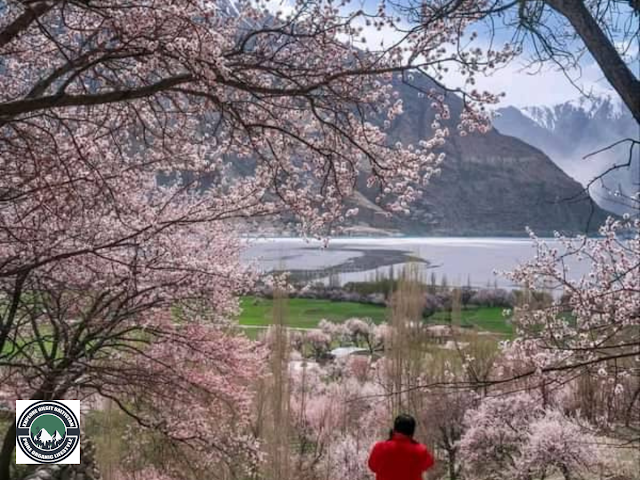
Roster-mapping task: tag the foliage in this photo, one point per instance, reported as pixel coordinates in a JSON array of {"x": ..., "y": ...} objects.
[
  {"x": 598, "y": 339},
  {"x": 306, "y": 313},
  {"x": 492, "y": 297},
  {"x": 381, "y": 285},
  {"x": 560, "y": 33},
  {"x": 514, "y": 438},
  {"x": 133, "y": 134},
  {"x": 490, "y": 319}
]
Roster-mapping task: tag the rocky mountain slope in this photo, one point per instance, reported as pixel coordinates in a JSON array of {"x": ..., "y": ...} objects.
[
  {"x": 569, "y": 131},
  {"x": 491, "y": 184}
]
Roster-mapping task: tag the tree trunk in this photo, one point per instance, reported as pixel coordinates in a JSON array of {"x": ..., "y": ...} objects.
[
  {"x": 9, "y": 441},
  {"x": 453, "y": 471},
  {"x": 5, "y": 327},
  {"x": 26, "y": 19},
  {"x": 6, "y": 454},
  {"x": 603, "y": 51}
]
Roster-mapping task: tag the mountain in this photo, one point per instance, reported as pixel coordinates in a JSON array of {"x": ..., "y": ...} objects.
[
  {"x": 569, "y": 131},
  {"x": 43, "y": 437},
  {"x": 491, "y": 184},
  {"x": 57, "y": 438}
]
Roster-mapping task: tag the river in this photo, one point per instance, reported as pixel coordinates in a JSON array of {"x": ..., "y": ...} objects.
[{"x": 463, "y": 260}]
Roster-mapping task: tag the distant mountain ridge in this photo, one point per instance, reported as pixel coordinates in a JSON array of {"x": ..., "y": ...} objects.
[
  {"x": 570, "y": 131},
  {"x": 581, "y": 110},
  {"x": 491, "y": 185}
]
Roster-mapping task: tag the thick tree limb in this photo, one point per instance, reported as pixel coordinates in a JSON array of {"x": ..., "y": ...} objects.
[
  {"x": 603, "y": 51},
  {"x": 20, "y": 107},
  {"x": 21, "y": 23}
]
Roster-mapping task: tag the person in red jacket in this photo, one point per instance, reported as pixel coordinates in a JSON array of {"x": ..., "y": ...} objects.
[{"x": 400, "y": 457}]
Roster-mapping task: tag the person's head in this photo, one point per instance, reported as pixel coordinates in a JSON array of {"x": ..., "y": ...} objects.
[{"x": 404, "y": 424}]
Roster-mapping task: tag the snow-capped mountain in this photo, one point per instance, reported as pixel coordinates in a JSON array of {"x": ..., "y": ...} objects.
[
  {"x": 43, "y": 436},
  {"x": 57, "y": 438},
  {"x": 569, "y": 131},
  {"x": 45, "y": 440},
  {"x": 578, "y": 112}
]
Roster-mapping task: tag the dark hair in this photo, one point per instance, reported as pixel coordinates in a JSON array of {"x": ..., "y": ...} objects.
[{"x": 404, "y": 424}]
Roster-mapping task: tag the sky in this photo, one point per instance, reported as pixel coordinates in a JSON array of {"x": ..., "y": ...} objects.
[
  {"x": 527, "y": 86},
  {"x": 522, "y": 86}
]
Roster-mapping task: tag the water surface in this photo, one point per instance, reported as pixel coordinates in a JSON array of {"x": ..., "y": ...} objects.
[{"x": 462, "y": 260}]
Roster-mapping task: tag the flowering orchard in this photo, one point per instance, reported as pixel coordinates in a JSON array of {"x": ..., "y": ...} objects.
[
  {"x": 134, "y": 134},
  {"x": 476, "y": 424},
  {"x": 560, "y": 400},
  {"x": 592, "y": 333},
  {"x": 332, "y": 412}
]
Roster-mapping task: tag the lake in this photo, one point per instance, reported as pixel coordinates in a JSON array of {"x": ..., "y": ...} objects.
[{"x": 462, "y": 260}]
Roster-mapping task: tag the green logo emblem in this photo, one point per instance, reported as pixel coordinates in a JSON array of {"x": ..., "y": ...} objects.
[{"x": 47, "y": 431}]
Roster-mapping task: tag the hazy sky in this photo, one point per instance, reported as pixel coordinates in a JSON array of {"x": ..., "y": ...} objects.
[
  {"x": 532, "y": 86},
  {"x": 522, "y": 86},
  {"x": 525, "y": 85}
]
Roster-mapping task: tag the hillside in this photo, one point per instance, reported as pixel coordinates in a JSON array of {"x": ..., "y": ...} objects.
[
  {"x": 569, "y": 131},
  {"x": 491, "y": 184}
]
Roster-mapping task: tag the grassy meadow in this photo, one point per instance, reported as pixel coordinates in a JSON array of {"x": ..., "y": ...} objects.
[{"x": 307, "y": 313}]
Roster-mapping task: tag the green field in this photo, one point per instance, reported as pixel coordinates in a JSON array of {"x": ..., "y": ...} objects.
[
  {"x": 306, "y": 313},
  {"x": 483, "y": 318}
]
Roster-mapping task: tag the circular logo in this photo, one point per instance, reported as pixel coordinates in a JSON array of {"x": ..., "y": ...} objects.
[{"x": 47, "y": 431}]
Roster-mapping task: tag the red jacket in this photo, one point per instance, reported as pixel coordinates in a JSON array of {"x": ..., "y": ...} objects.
[{"x": 400, "y": 458}]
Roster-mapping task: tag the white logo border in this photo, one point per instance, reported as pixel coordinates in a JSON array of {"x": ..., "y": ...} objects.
[{"x": 23, "y": 459}]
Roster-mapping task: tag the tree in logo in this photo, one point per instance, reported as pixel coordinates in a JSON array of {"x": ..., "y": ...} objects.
[{"x": 48, "y": 431}]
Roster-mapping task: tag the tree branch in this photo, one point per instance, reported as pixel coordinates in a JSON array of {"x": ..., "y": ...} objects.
[
  {"x": 21, "y": 23},
  {"x": 20, "y": 107},
  {"x": 603, "y": 51}
]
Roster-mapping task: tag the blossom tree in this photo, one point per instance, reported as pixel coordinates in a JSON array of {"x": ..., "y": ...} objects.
[
  {"x": 358, "y": 332},
  {"x": 593, "y": 330},
  {"x": 442, "y": 418},
  {"x": 494, "y": 434},
  {"x": 557, "y": 444},
  {"x": 337, "y": 331},
  {"x": 513, "y": 437},
  {"x": 190, "y": 397},
  {"x": 335, "y": 420},
  {"x": 319, "y": 343},
  {"x": 133, "y": 134},
  {"x": 361, "y": 332},
  {"x": 93, "y": 324}
]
